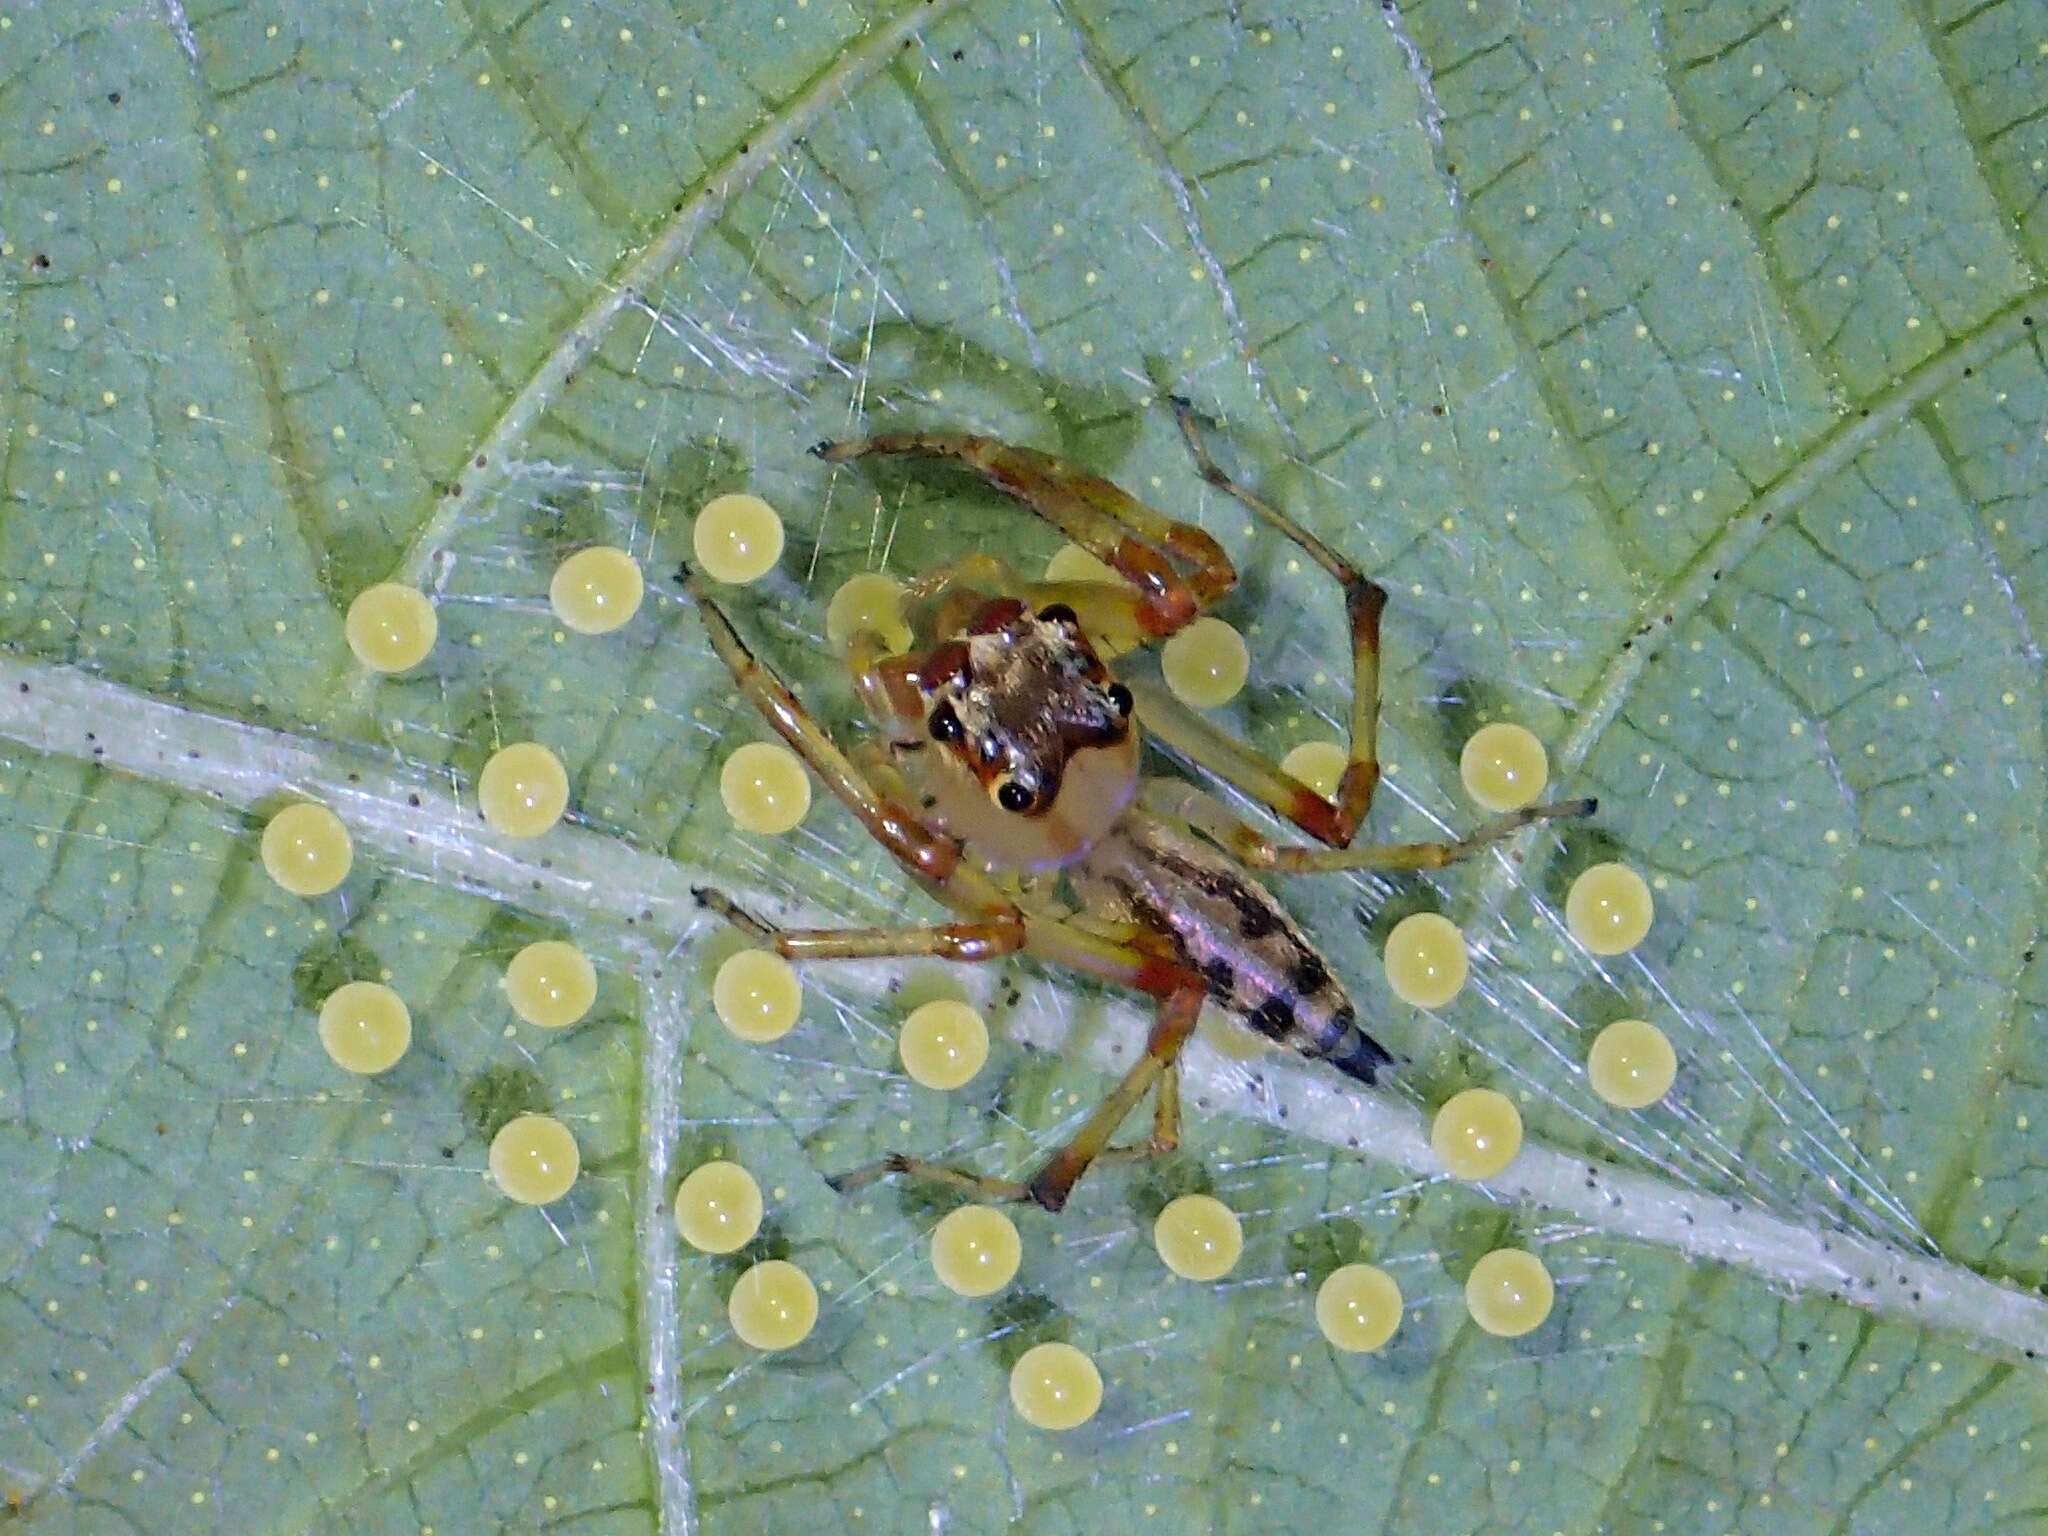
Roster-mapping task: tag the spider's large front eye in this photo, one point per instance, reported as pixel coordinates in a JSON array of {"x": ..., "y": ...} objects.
[
  {"x": 1012, "y": 796},
  {"x": 1120, "y": 698},
  {"x": 944, "y": 724},
  {"x": 1059, "y": 613}
]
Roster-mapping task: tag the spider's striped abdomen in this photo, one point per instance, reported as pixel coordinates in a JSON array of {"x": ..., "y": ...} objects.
[{"x": 1258, "y": 964}]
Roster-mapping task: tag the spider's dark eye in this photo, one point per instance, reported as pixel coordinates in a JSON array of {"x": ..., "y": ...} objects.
[
  {"x": 944, "y": 724},
  {"x": 1120, "y": 696},
  {"x": 1012, "y": 796},
  {"x": 1059, "y": 613}
]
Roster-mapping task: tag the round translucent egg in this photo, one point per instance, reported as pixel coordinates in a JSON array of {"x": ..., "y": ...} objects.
[
  {"x": 718, "y": 1207},
  {"x": 943, "y": 1044},
  {"x": 596, "y": 590},
  {"x": 1632, "y": 1064},
  {"x": 1358, "y": 1307},
  {"x": 869, "y": 602},
  {"x": 523, "y": 790},
  {"x": 756, "y": 995},
  {"x": 551, "y": 984},
  {"x": 1509, "y": 1292},
  {"x": 773, "y": 1305},
  {"x": 1504, "y": 767},
  {"x": 1318, "y": 764},
  {"x": 738, "y": 538},
  {"x": 1425, "y": 960},
  {"x": 534, "y": 1159},
  {"x": 365, "y": 1027},
  {"x": 1609, "y": 909},
  {"x": 765, "y": 788},
  {"x": 1476, "y": 1134},
  {"x": 1055, "y": 1386},
  {"x": 1205, "y": 664},
  {"x": 1198, "y": 1237},
  {"x": 1073, "y": 563},
  {"x": 391, "y": 627},
  {"x": 976, "y": 1250},
  {"x": 306, "y": 849}
]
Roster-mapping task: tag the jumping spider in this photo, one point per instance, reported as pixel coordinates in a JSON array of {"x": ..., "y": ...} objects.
[{"x": 1012, "y": 749}]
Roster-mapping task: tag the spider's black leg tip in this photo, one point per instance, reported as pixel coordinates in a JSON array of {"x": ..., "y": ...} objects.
[
  {"x": 703, "y": 894},
  {"x": 822, "y": 448},
  {"x": 1592, "y": 806}
]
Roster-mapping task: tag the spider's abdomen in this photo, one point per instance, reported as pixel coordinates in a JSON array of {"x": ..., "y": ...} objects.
[{"x": 1258, "y": 964}]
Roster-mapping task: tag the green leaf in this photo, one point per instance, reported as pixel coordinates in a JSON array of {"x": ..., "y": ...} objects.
[{"x": 1679, "y": 373}]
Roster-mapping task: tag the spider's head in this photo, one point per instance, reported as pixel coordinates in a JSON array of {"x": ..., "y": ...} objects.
[{"x": 1023, "y": 715}]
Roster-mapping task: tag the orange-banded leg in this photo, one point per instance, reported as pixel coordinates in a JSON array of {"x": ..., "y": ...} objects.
[
  {"x": 1177, "y": 569},
  {"x": 999, "y": 933},
  {"x": 987, "y": 933},
  {"x": 1180, "y": 801},
  {"x": 1179, "y": 992},
  {"x": 924, "y": 851},
  {"x": 1336, "y": 821}
]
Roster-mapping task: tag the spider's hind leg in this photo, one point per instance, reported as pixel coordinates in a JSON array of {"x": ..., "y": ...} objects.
[{"x": 1179, "y": 993}]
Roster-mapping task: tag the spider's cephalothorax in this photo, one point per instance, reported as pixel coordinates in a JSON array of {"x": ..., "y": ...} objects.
[
  {"x": 1032, "y": 748},
  {"x": 1015, "y": 750}
]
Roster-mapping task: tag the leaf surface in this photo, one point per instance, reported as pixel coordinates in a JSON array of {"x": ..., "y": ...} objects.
[{"x": 1677, "y": 370}]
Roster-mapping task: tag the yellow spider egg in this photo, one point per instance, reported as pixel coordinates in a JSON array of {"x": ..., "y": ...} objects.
[
  {"x": 1476, "y": 1134},
  {"x": 1205, "y": 664},
  {"x": 391, "y": 627},
  {"x": 1055, "y": 1386},
  {"x": 868, "y": 602},
  {"x": 523, "y": 790},
  {"x": 756, "y": 995},
  {"x": 1504, "y": 767},
  {"x": 1073, "y": 563},
  {"x": 1358, "y": 1307},
  {"x": 534, "y": 1159},
  {"x": 1631, "y": 1064},
  {"x": 1318, "y": 764},
  {"x": 365, "y": 1027},
  {"x": 773, "y": 1305},
  {"x": 976, "y": 1250},
  {"x": 765, "y": 788},
  {"x": 306, "y": 849},
  {"x": 551, "y": 984},
  {"x": 738, "y": 538},
  {"x": 1425, "y": 960},
  {"x": 718, "y": 1207},
  {"x": 943, "y": 1044},
  {"x": 1198, "y": 1237},
  {"x": 1609, "y": 908},
  {"x": 1509, "y": 1292},
  {"x": 597, "y": 590}
]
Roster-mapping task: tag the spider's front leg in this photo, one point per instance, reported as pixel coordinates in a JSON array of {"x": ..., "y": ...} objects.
[
  {"x": 992, "y": 923},
  {"x": 1176, "y": 568}
]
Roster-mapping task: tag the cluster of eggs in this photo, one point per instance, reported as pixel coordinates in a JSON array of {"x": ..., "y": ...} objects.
[
  {"x": 975, "y": 1249},
  {"x": 523, "y": 790},
  {"x": 366, "y": 1028}
]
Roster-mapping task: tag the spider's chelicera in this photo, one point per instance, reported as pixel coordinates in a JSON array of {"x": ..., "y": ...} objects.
[{"x": 1009, "y": 785}]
